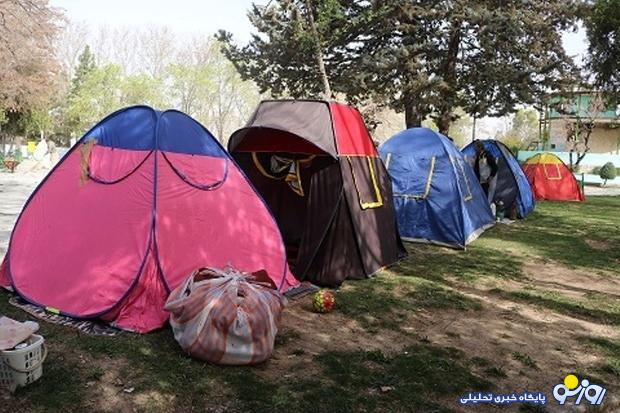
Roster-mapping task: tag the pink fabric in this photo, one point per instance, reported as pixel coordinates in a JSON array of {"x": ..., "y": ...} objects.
[
  {"x": 110, "y": 164},
  {"x": 4, "y": 276},
  {"x": 197, "y": 228},
  {"x": 143, "y": 309},
  {"x": 79, "y": 248}
]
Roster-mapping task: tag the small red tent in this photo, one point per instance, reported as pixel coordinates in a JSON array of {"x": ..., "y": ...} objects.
[{"x": 551, "y": 179}]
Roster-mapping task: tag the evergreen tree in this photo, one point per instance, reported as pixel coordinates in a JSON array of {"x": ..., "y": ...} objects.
[
  {"x": 297, "y": 47},
  {"x": 86, "y": 65},
  {"x": 603, "y": 30},
  {"x": 421, "y": 58}
]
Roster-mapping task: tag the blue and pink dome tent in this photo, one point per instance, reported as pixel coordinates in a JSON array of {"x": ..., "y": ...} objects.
[
  {"x": 142, "y": 200},
  {"x": 436, "y": 194}
]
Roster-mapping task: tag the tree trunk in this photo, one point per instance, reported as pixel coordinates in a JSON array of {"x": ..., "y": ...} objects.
[
  {"x": 473, "y": 128},
  {"x": 413, "y": 117},
  {"x": 327, "y": 90},
  {"x": 444, "y": 120}
]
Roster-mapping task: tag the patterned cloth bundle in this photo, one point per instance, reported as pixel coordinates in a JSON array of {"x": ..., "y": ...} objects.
[{"x": 225, "y": 316}]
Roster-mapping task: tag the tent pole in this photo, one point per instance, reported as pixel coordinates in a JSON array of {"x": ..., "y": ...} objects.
[{"x": 473, "y": 129}]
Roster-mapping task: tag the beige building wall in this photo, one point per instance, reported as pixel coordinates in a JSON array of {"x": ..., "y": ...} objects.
[{"x": 604, "y": 138}]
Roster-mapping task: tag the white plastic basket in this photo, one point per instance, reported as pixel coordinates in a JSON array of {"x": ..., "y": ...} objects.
[{"x": 24, "y": 366}]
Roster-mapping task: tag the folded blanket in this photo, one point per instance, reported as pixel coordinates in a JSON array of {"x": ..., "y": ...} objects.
[{"x": 13, "y": 332}]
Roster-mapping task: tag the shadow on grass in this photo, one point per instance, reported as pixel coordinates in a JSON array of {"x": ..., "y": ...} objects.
[
  {"x": 60, "y": 386},
  {"x": 435, "y": 263},
  {"x": 611, "y": 350},
  {"x": 415, "y": 378},
  {"x": 343, "y": 381},
  {"x": 562, "y": 232},
  {"x": 385, "y": 302},
  {"x": 412, "y": 380},
  {"x": 607, "y": 312}
]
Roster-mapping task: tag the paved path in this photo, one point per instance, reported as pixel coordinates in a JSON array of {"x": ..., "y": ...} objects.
[
  {"x": 14, "y": 191},
  {"x": 592, "y": 190}
]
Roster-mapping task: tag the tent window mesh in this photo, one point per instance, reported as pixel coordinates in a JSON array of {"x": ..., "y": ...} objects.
[
  {"x": 427, "y": 186},
  {"x": 552, "y": 177},
  {"x": 460, "y": 172}
]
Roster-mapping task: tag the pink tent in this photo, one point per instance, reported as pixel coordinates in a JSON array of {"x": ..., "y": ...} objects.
[{"x": 142, "y": 200}]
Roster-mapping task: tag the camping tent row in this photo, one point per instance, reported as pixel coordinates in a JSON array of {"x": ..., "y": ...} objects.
[
  {"x": 438, "y": 198},
  {"x": 146, "y": 197}
]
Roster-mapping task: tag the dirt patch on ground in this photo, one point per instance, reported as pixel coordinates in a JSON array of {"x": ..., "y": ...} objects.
[
  {"x": 598, "y": 244},
  {"x": 526, "y": 348},
  {"x": 305, "y": 334},
  {"x": 570, "y": 281},
  {"x": 515, "y": 345}
]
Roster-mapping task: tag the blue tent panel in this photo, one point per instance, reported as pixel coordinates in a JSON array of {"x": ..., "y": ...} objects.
[
  {"x": 135, "y": 128},
  {"x": 436, "y": 194}
]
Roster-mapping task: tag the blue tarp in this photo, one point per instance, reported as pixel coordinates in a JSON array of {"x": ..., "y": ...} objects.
[
  {"x": 436, "y": 194},
  {"x": 512, "y": 184}
]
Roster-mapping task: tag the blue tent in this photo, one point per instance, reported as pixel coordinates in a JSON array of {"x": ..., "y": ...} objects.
[
  {"x": 513, "y": 188},
  {"x": 436, "y": 194}
]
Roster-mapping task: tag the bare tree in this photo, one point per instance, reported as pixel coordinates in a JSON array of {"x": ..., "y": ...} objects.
[
  {"x": 203, "y": 83},
  {"x": 28, "y": 66},
  {"x": 156, "y": 49},
  {"x": 69, "y": 44},
  {"x": 116, "y": 45},
  {"x": 124, "y": 49},
  {"x": 190, "y": 78},
  {"x": 579, "y": 124},
  {"x": 231, "y": 96},
  {"x": 101, "y": 44},
  {"x": 27, "y": 62}
]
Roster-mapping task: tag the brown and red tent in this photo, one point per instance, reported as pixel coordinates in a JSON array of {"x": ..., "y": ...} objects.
[{"x": 318, "y": 170}]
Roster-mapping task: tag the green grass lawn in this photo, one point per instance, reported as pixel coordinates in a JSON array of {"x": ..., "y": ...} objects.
[{"x": 523, "y": 306}]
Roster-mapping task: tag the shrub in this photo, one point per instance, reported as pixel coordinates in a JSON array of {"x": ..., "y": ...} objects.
[
  {"x": 597, "y": 170},
  {"x": 608, "y": 171}
]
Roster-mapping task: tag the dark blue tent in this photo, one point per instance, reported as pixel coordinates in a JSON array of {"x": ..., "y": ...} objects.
[
  {"x": 513, "y": 188},
  {"x": 436, "y": 194}
]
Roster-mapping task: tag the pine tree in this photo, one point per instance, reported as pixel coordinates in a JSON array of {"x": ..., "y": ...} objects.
[
  {"x": 603, "y": 31},
  {"x": 296, "y": 38},
  {"x": 419, "y": 57},
  {"x": 86, "y": 65}
]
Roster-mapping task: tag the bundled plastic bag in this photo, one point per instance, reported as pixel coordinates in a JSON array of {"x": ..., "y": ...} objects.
[{"x": 226, "y": 317}]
